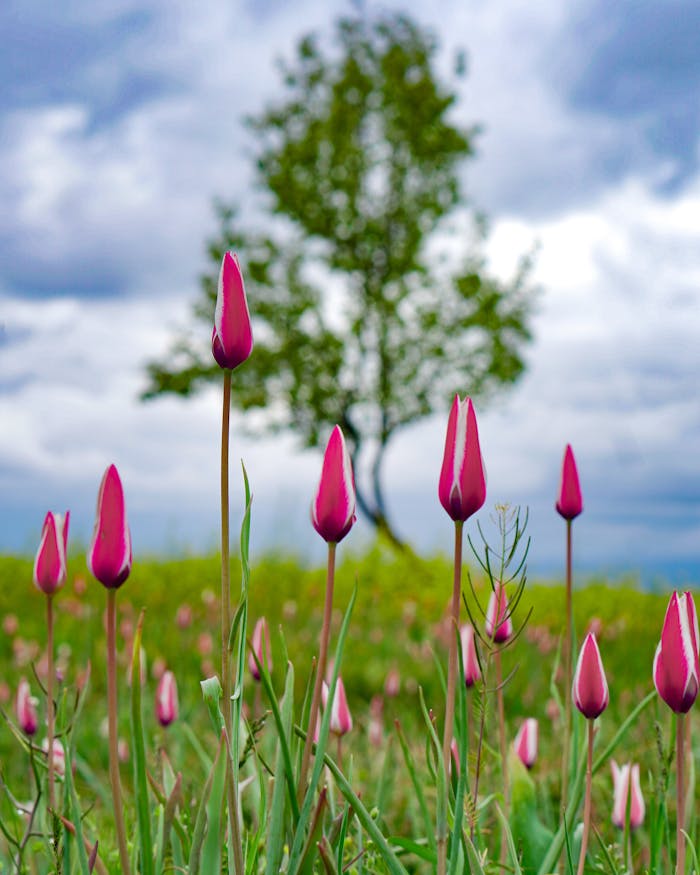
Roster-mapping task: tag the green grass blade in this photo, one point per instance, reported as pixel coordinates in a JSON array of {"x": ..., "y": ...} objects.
[
  {"x": 275, "y": 836},
  {"x": 417, "y": 786},
  {"x": 200, "y": 824},
  {"x": 509, "y": 841}
]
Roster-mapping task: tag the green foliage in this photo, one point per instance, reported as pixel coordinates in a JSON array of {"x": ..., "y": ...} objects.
[{"x": 371, "y": 306}]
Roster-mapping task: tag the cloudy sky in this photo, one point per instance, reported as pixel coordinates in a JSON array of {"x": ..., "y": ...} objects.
[{"x": 120, "y": 122}]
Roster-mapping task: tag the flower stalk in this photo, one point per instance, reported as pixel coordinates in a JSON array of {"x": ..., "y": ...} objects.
[
  {"x": 50, "y": 714},
  {"x": 587, "y": 799},
  {"x": 680, "y": 794}
]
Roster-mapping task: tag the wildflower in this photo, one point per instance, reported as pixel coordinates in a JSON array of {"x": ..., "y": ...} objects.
[
  {"x": 341, "y": 719},
  {"x": 525, "y": 743},
  {"x": 499, "y": 623},
  {"x": 261, "y": 648},
  {"x": 50, "y": 562},
  {"x": 166, "y": 699},
  {"x": 627, "y": 790},
  {"x": 462, "y": 488},
  {"x": 569, "y": 501},
  {"x": 333, "y": 508},
  {"x": 676, "y": 660},
  {"x": 25, "y": 707},
  {"x": 232, "y": 337},
  {"x": 109, "y": 557},
  {"x": 590, "y": 687}
]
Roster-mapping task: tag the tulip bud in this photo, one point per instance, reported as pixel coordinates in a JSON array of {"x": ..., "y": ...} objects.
[
  {"x": 341, "y": 719},
  {"x": 622, "y": 790},
  {"x": 499, "y": 623},
  {"x": 333, "y": 508},
  {"x": 470, "y": 661},
  {"x": 590, "y": 687},
  {"x": 676, "y": 660},
  {"x": 525, "y": 743},
  {"x": 462, "y": 488},
  {"x": 50, "y": 562},
  {"x": 392, "y": 684},
  {"x": 59, "y": 756},
  {"x": 166, "y": 699},
  {"x": 569, "y": 502},
  {"x": 232, "y": 337},
  {"x": 109, "y": 556},
  {"x": 454, "y": 758},
  {"x": 375, "y": 730},
  {"x": 261, "y": 648},
  {"x": 25, "y": 707}
]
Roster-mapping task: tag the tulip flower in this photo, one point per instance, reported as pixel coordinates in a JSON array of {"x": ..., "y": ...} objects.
[
  {"x": 109, "y": 557},
  {"x": 569, "y": 502},
  {"x": 166, "y": 699},
  {"x": 590, "y": 688},
  {"x": 676, "y": 660},
  {"x": 261, "y": 648},
  {"x": 626, "y": 790},
  {"x": 525, "y": 743},
  {"x": 499, "y": 623},
  {"x": 462, "y": 488},
  {"x": 58, "y": 755},
  {"x": 392, "y": 684},
  {"x": 333, "y": 508},
  {"x": 25, "y": 707},
  {"x": 50, "y": 562},
  {"x": 341, "y": 719},
  {"x": 470, "y": 661},
  {"x": 232, "y": 337}
]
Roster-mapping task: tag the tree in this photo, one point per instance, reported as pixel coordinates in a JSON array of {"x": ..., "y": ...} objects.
[{"x": 370, "y": 310}]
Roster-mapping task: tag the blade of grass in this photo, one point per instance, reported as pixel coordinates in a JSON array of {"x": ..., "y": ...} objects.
[{"x": 275, "y": 836}]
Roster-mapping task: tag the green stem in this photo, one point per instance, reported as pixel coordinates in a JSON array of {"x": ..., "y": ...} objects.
[
  {"x": 232, "y": 768},
  {"x": 680, "y": 795},
  {"x": 49, "y": 697},
  {"x": 587, "y": 801},
  {"x": 568, "y": 650},
  {"x": 503, "y": 747},
  {"x": 320, "y": 672},
  {"x": 113, "y": 731}
]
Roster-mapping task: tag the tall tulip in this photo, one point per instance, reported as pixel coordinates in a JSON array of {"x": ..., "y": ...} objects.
[
  {"x": 166, "y": 699},
  {"x": 525, "y": 743},
  {"x": 25, "y": 708},
  {"x": 627, "y": 789},
  {"x": 591, "y": 697},
  {"x": 232, "y": 337},
  {"x": 332, "y": 515},
  {"x": 569, "y": 504},
  {"x": 109, "y": 559}
]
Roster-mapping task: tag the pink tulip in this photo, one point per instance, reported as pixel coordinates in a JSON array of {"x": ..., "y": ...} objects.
[
  {"x": 333, "y": 508},
  {"x": 50, "y": 562},
  {"x": 109, "y": 556},
  {"x": 26, "y": 708},
  {"x": 590, "y": 687},
  {"x": 676, "y": 661},
  {"x": 472, "y": 672},
  {"x": 462, "y": 488},
  {"x": 232, "y": 337},
  {"x": 261, "y": 648},
  {"x": 59, "y": 756},
  {"x": 454, "y": 759},
  {"x": 569, "y": 502},
  {"x": 392, "y": 684},
  {"x": 621, "y": 796},
  {"x": 525, "y": 743},
  {"x": 341, "y": 719},
  {"x": 499, "y": 623},
  {"x": 375, "y": 730},
  {"x": 166, "y": 699}
]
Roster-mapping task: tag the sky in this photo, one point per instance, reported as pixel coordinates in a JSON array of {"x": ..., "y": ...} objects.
[{"x": 120, "y": 124}]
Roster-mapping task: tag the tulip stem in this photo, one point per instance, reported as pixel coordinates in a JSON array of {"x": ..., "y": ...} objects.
[
  {"x": 49, "y": 696},
  {"x": 568, "y": 651},
  {"x": 680, "y": 794},
  {"x": 320, "y": 672},
  {"x": 587, "y": 801},
  {"x": 113, "y": 731},
  {"x": 231, "y": 774}
]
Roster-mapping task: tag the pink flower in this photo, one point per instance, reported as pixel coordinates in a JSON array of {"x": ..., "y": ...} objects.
[
  {"x": 109, "y": 556},
  {"x": 59, "y": 756},
  {"x": 26, "y": 708},
  {"x": 472, "y": 672},
  {"x": 569, "y": 502},
  {"x": 166, "y": 699},
  {"x": 333, "y": 508},
  {"x": 454, "y": 750},
  {"x": 590, "y": 687},
  {"x": 499, "y": 623},
  {"x": 462, "y": 488},
  {"x": 676, "y": 661},
  {"x": 261, "y": 639},
  {"x": 232, "y": 337},
  {"x": 341, "y": 719},
  {"x": 50, "y": 562},
  {"x": 525, "y": 743},
  {"x": 392, "y": 684},
  {"x": 375, "y": 729},
  {"x": 622, "y": 790}
]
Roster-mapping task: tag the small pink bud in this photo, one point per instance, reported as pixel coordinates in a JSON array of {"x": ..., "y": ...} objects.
[
  {"x": 261, "y": 648},
  {"x": 333, "y": 508},
  {"x": 232, "y": 337},
  {"x": 676, "y": 660},
  {"x": 392, "y": 684},
  {"x": 109, "y": 556},
  {"x": 375, "y": 730},
  {"x": 569, "y": 502},
  {"x": 166, "y": 699},
  {"x": 26, "y": 708},
  {"x": 50, "y": 562},
  {"x": 499, "y": 623},
  {"x": 59, "y": 756},
  {"x": 462, "y": 488},
  {"x": 621, "y": 795},
  {"x": 525, "y": 743},
  {"x": 470, "y": 661},
  {"x": 590, "y": 687},
  {"x": 454, "y": 759},
  {"x": 341, "y": 719}
]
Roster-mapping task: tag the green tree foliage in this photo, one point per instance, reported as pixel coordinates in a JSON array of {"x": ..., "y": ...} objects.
[{"x": 370, "y": 299}]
